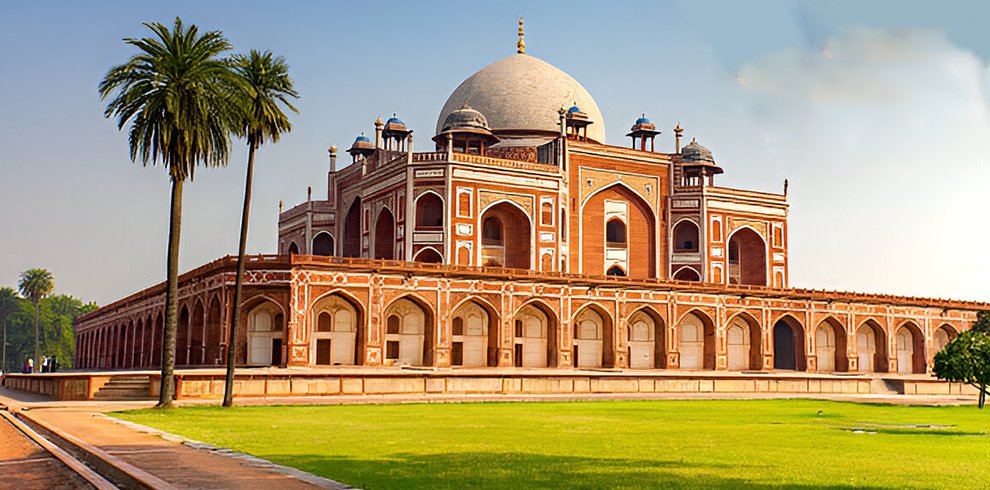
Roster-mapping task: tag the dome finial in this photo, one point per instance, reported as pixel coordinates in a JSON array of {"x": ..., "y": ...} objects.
[{"x": 521, "y": 45}]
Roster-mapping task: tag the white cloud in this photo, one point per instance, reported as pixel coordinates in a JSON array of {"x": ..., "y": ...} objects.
[{"x": 884, "y": 134}]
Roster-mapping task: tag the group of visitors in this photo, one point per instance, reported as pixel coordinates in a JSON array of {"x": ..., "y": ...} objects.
[{"x": 48, "y": 365}]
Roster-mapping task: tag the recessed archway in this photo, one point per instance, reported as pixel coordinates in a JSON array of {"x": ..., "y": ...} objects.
[
  {"x": 743, "y": 344},
  {"x": 429, "y": 211},
  {"x": 944, "y": 335},
  {"x": 337, "y": 331},
  {"x": 646, "y": 340},
  {"x": 385, "y": 235},
  {"x": 409, "y": 332},
  {"x": 618, "y": 226},
  {"x": 428, "y": 255},
  {"x": 747, "y": 258},
  {"x": 871, "y": 347},
  {"x": 534, "y": 336},
  {"x": 696, "y": 342},
  {"x": 687, "y": 274},
  {"x": 830, "y": 347},
  {"x": 474, "y": 335},
  {"x": 506, "y": 237},
  {"x": 265, "y": 333},
  {"x": 593, "y": 339},
  {"x": 686, "y": 237},
  {"x": 910, "y": 349},
  {"x": 323, "y": 244},
  {"x": 352, "y": 230},
  {"x": 788, "y": 344}
]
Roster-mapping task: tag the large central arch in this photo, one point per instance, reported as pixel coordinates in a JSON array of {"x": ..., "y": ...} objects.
[
  {"x": 747, "y": 258},
  {"x": 506, "y": 237},
  {"x": 635, "y": 253}
]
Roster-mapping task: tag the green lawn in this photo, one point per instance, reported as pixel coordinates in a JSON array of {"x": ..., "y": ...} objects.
[{"x": 614, "y": 444}]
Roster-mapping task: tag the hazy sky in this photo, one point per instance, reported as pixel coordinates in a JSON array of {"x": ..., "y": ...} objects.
[{"x": 877, "y": 113}]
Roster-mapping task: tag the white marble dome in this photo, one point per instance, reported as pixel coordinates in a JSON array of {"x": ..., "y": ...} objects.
[{"x": 522, "y": 93}]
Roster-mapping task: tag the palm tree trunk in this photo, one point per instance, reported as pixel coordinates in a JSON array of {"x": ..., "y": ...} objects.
[
  {"x": 228, "y": 388},
  {"x": 167, "y": 389},
  {"x": 37, "y": 337},
  {"x": 4, "y": 366}
]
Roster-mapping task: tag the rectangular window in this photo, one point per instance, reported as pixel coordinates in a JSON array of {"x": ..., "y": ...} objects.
[{"x": 457, "y": 354}]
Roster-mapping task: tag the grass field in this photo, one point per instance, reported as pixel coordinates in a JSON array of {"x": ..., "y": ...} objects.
[{"x": 614, "y": 444}]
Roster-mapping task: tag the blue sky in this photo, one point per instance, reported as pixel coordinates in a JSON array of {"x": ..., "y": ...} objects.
[{"x": 876, "y": 112}]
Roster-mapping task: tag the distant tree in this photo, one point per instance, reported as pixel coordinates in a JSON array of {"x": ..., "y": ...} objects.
[
  {"x": 966, "y": 360},
  {"x": 8, "y": 304},
  {"x": 35, "y": 284},
  {"x": 266, "y": 88},
  {"x": 175, "y": 95},
  {"x": 982, "y": 323}
]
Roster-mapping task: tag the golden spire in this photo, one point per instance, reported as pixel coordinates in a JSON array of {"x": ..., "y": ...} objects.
[{"x": 521, "y": 45}]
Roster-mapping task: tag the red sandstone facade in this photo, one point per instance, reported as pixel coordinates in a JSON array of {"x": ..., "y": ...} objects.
[{"x": 522, "y": 239}]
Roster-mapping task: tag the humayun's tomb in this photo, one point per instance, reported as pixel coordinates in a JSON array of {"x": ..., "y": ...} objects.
[{"x": 522, "y": 239}]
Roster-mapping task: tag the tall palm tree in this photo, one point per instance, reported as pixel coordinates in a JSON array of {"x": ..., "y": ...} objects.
[
  {"x": 35, "y": 284},
  {"x": 8, "y": 302},
  {"x": 173, "y": 93},
  {"x": 266, "y": 86}
]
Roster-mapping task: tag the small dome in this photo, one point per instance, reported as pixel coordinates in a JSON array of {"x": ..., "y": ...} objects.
[
  {"x": 573, "y": 108},
  {"x": 394, "y": 120},
  {"x": 361, "y": 145},
  {"x": 643, "y": 120},
  {"x": 695, "y": 153},
  {"x": 467, "y": 119},
  {"x": 362, "y": 138},
  {"x": 395, "y": 124}
]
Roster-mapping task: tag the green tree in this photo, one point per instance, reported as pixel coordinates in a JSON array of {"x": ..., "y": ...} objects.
[
  {"x": 8, "y": 304},
  {"x": 966, "y": 360},
  {"x": 174, "y": 94},
  {"x": 982, "y": 323},
  {"x": 35, "y": 284},
  {"x": 267, "y": 87}
]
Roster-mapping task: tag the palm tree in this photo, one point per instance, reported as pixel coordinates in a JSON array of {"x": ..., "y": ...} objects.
[
  {"x": 8, "y": 302},
  {"x": 266, "y": 85},
  {"x": 173, "y": 93},
  {"x": 35, "y": 284}
]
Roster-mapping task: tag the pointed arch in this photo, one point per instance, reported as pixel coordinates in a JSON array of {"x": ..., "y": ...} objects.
[
  {"x": 182, "y": 337},
  {"x": 909, "y": 344},
  {"x": 605, "y": 215},
  {"x": 747, "y": 257},
  {"x": 647, "y": 336},
  {"x": 385, "y": 235},
  {"x": 593, "y": 336},
  {"x": 535, "y": 334},
  {"x": 744, "y": 336},
  {"x": 944, "y": 334},
  {"x": 429, "y": 210},
  {"x": 410, "y": 330},
  {"x": 831, "y": 346},
  {"x": 352, "y": 229},
  {"x": 474, "y": 333},
  {"x": 337, "y": 329},
  {"x": 265, "y": 332},
  {"x": 871, "y": 347},
  {"x": 214, "y": 332},
  {"x": 323, "y": 244},
  {"x": 293, "y": 248},
  {"x": 687, "y": 273},
  {"x": 428, "y": 255},
  {"x": 788, "y": 344},
  {"x": 506, "y": 239},
  {"x": 685, "y": 236},
  {"x": 696, "y": 340}
]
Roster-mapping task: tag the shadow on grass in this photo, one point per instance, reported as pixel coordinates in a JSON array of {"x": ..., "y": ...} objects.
[{"x": 523, "y": 470}]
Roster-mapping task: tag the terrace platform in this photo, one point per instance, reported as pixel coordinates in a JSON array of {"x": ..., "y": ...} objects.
[{"x": 490, "y": 382}]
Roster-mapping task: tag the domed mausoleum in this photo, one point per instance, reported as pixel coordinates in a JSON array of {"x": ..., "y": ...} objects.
[{"x": 514, "y": 235}]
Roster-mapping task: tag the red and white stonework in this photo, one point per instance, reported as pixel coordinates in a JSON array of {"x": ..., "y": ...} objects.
[{"x": 523, "y": 239}]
